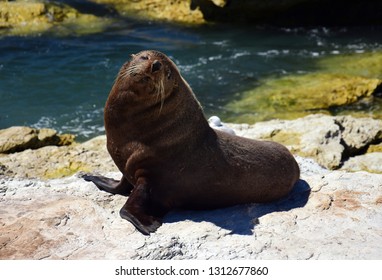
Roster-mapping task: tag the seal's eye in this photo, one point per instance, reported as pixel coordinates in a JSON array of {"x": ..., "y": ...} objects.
[
  {"x": 168, "y": 75},
  {"x": 144, "y": 79},
  {"x": 144, "y": 57}
]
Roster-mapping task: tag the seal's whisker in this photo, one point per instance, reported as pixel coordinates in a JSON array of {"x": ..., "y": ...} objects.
[
  {"x": 132, "y": 70},
  {"x": 162, "y": 96},
  {"x": 160, "y": 93}
]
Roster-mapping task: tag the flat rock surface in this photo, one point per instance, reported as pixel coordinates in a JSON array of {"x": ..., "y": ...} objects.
[{"x": 329, "y": 215}]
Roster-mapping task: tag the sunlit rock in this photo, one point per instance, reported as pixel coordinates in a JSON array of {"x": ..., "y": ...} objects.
[
  {"x": 329, "y": 215},
  {"x": 179, "y": 11},
  {"x": 330, "y": 141},
  {"x": 24, "y": 17},
  {"x": 20, "y": 138}
]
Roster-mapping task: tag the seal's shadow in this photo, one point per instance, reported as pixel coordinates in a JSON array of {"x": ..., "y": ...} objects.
[{"x": 242, "y": 219}]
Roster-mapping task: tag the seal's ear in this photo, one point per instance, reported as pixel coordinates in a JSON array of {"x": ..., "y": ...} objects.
[{"x": 132, "y": 56}]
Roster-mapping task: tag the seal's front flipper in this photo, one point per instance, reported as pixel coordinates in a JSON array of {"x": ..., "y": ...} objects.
[
  {"x": 141, "y": 212},
  {"x": 122, "y": 187}
]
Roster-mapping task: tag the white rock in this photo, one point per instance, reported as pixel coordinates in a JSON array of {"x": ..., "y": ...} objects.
[{"x": 329, "y": 215}]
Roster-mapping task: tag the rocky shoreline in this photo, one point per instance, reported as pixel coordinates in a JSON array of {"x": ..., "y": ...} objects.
[
  {"x": 49, "y": 212},
  {"x": 335, "y": 142},
  {"x": 334, "y": 211},
  {"x": 34, "y": 17}
]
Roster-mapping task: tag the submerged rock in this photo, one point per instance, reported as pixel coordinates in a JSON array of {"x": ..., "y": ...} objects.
[
  {"x": 342, "y": 85},
  {"x": 367, "y": 64}
]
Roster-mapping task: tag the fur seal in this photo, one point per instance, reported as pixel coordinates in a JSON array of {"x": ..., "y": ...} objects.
[{"x": 170, "y": 157}]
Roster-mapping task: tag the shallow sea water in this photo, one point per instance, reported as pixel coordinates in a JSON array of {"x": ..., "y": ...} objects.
[{"x": 63, "y": 82}]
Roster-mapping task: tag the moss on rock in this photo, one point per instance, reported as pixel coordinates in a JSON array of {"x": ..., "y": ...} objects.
[
  {"x": 56, "y": 162},
  {"x": 66, "y": 169},
  {"x": 365, "y": 65},
  {"x": 177, "y": 11},
  {"x": 29, "y": 17},
  {"x": 294, "y": 96}
]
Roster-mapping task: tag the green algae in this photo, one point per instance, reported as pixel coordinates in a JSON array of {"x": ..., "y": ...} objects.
[
  {"x": 367, "y": 64},
  {"x": 295, "y": 96},
  {"x": 342, "y": 85}
]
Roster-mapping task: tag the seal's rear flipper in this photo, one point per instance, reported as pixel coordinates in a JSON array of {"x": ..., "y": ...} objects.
[
  {"x": 141, "y": 212},
  {"x": 144, "y": 225},
  {"x": 122, "y": 187}
]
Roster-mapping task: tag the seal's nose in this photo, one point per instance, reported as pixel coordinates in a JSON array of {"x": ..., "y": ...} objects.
[{"x": 155, "y": 66}]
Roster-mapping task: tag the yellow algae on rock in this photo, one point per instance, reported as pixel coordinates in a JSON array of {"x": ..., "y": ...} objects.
[
  {"x": 367, "y": 64},
  {"x": 57, "y": 162},
  {"x": 303, "y": 94},
  {"x": 377, "y": 148},
  {"x": 66, "y": 169},
  {"x": 176, "y": 11},
  {"x": 344, "y": 84},
  {"x": 20, "y": 12},
  {"x": 23, "y": 17}
]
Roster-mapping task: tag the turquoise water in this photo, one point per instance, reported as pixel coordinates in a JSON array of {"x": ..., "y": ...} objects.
[{"x": 63, "y": 82}]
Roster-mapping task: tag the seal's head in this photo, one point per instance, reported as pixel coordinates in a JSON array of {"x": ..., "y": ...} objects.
[{"x": 149, "y": 76}]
